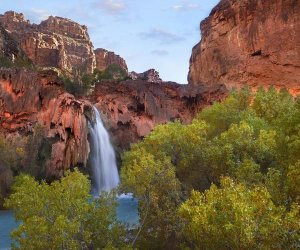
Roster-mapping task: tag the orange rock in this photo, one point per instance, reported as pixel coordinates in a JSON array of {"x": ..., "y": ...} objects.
[
  {"x": 105, "y": 58},
  {"x": 249, "y": 43},
  {"x": 131, "y": 109},
  {"x": 29, "y": 98},
  {"x": 58, "y": 42}
]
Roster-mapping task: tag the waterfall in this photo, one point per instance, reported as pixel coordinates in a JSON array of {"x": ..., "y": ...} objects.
[{"x": 102, "y": 159}]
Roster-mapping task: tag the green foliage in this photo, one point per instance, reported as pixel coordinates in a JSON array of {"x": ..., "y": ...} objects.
[
  {"x": 228, "y": 180},
  {"x": 80, "y": 83},
  {"x": 227, "y": 152},
  {"x": 19, "y": 62},
  {"x": 253, "y": 139},
  {"x": 221, "y": 115},
  {"x": 112, "y": 72},
  {"x": 235, "y": 217},
  {"x": 37, "y": 152},
  {"x": 155, "y": 185},
  {"x": 63, "y": 215},
  {"x": 293, "y": 180},
  {"x": 12, "y": 155},
  {"x": 23, "y": 154},
  {"x": 5, "y": 62}
]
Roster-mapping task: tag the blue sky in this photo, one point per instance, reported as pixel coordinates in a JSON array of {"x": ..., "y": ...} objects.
[{"x": 156, "y": 34}]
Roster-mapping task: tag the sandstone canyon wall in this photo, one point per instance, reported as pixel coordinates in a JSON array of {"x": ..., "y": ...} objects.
[
  {"x": 28, "y": 98},
  {"x": 58, "y": 42},
  {"x": 104, "y": 58},
  {"x": 249, "y": 42},
  {"x": 131, "y": 109},
  {"x": 9, "y": 48}
]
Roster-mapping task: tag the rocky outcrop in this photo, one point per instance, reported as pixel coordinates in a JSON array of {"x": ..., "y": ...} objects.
[
  {"x": 28, "y": 98},
  {"x": 9, "y": 48},
  {"x": 150, "y": 75},
  {"x": 250, "y": 43},
  {"x": 105, "y": 58},
  {"x": 56, "y": 42},
  {"x": 60, "y": 43},
  {"x": 131, "y": 109}
]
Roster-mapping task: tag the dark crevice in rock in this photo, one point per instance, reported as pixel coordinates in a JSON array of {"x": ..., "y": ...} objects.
[{"x": 257, "y": 53}]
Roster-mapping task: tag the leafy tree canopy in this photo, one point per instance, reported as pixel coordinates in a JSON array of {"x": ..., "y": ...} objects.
[
  {"x": 63, "y": 215},
  {"x": 254, "y": 140}
]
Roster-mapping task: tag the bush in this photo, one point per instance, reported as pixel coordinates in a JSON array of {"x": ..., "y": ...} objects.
[
  {"x": 23, "y": 154},
  {"x": 112, "y": 72},
  {"x": 235, "y": 217},
  {"x": 19, "y": 62},
  {"x": 5, "y": 62},
  {"x": 12, "y": 155},
  {"x": 63, "y": 215},
  {"x": 252, "y": 139},
  {"x": 80, "y": 83}
]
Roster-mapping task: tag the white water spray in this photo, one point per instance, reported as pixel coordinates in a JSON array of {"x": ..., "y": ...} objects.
[{"x": 105, "y": 174}]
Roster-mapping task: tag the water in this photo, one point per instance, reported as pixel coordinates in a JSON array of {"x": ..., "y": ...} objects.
[
  {"x": 127, "y": 212},
  {"x": 105, "y": 174},
  {"x": 7, "y": 223}
]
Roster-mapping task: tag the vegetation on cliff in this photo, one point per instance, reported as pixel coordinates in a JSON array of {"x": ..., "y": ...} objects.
[
  {"x": 80, "y": 83},
  {"x": 23, "y": 154}
]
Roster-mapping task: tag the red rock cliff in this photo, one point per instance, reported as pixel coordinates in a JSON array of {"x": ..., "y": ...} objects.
[
  {"x": 58, "y": 42},
  {"x": 131, "y": 109},
  {"x": 28, "y": 97},
  {"x": 105, "y": 58},
  {"x": 249, "y": 42}
]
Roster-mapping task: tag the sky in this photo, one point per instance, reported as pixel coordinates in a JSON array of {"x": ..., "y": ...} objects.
[{"x": 156, "y": 34}]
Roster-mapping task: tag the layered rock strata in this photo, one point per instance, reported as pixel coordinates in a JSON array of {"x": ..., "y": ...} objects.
[
  {"x": 249, "y": 43},
  {"x": 56, "y": 42},
  {"x": 60, "y": 43}
]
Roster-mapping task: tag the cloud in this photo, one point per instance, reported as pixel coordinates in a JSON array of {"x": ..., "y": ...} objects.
[
  {"x": 185, "y": 6},
  {"x": 112, "y": 7},
  {"x": 164, "y": 37},
  {"x": 37, "y": 15},
  {"x": 160, "y": 52}
]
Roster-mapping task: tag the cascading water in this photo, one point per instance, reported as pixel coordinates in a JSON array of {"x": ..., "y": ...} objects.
[{"x": 105, "y": 174}]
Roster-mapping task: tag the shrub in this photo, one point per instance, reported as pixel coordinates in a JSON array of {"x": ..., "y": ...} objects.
[{"x": 63, "y": 215}]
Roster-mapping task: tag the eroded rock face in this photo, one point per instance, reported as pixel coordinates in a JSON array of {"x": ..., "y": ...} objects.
[
  {"x": 250, "y": 43},
  {"x": 104, "y": 58},
  {"x": 9, "y": 48},
  {"x": 150, "y": 75},
  {"x": 28, "y": 98},
  {"x": 56, "y": 42},
  {"x": 60, "y": 43},
  {"x": 131, "y": 109}
]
